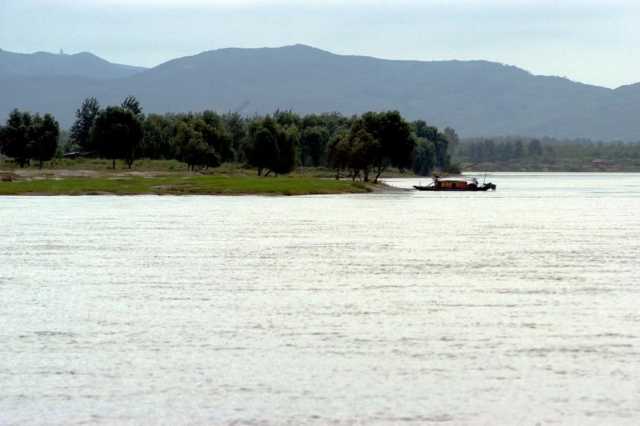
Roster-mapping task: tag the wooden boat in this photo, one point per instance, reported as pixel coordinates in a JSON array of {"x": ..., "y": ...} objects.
[{"x": 456, "y": 184}]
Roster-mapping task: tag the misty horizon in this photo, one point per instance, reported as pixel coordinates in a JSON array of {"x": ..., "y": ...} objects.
[{"x": 585, "y": 41}]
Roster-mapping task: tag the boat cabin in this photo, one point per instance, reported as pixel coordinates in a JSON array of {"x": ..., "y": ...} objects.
[
  {"x": 460, "y": 184},
  {"x": 456, "y": 184}
]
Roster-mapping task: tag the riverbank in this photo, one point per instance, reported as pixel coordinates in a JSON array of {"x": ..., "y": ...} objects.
[
  {"x": 181, "y": 185},
  {"x": 168, "y": 177}
]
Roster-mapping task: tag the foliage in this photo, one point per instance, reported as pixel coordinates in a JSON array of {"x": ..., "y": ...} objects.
[
  {"x": 26, "y": 137},
  {"x": 262, "y": 149},
  {"x": 192, "y": 148},
  {"x": 85, "y": 118},
  {"x": 313, "y": 145},
  {"x": 159, "y": 138},
  {"x": 272, "y": 147},
  {"x": 362, "y": 146},
  {"x": 16, "y": 136},
  {"x": 132, "y": 104},
  {"x": 211, "y": 126},
  {"x": 424, "y": 160},
  {"x": 519, "y": 153},
  {"x": 395, "y": 138},
  {"x": 44, "y": 138},
  {"x": 340, "y": 153},
  {"x": 117, "y": 134},
  {"x": 236, "y": 128}
]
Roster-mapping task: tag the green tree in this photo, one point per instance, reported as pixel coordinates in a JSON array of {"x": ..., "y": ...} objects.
[
  {"x": 286, "y": 118},
  {"x": 424, "y": 160},
  {"x": 453, "y": 140},
  {"x": 288, "y": 141},
  {"x": 45, "y": 132},
  {"x": 262, "y": 151},
  {"x": 395, "y": 138},
  {"x": 158, "y": 139},
  {"x": 365, "y": 151},
  {"x": 117, "y": 134},
  {"x": 192, "y": 147},
  {"x": 132, "y": 104},
  {"x": 339, "y": 152},
  {"x": 535, "y": 148},
  {"x": 422, "y": 130},
  {"x": 518, "y": 149},
  {"x": 440, "y": 142},
  {"x": 237, "y": 129},
  {"x": 272, "y": 147},
  {"x": 211, "y": 125},
  {"x": 442, "y": 152},
  {"x": 313, "y": 144},
  {"x": 15, "y": 137},
  {"x": 85, "y": 118}
]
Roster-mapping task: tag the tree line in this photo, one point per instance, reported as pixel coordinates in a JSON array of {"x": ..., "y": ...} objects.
[
  {"x": 490, "y": 150},
  {"x": 517, "y": 150},
  {"x": 27, "y": 137},
  {"x": 359, "y": 146}
]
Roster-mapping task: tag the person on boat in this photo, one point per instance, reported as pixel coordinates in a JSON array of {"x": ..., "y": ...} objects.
[{"x": 473, "y": 184}]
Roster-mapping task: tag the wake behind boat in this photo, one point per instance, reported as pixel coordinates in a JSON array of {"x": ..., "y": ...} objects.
[{"x": 459, "y": 183}]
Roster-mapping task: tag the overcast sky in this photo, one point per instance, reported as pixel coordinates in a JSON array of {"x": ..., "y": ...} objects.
[{"x": 593, "y": 41}]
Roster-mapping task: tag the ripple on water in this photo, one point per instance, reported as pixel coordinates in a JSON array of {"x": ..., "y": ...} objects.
[{"x": 506, "y": 308}]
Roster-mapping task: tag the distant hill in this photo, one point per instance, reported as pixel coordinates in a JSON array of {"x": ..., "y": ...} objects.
[
  {"x": 478, "y": 98},
  {"x": 48, "y": 64}
]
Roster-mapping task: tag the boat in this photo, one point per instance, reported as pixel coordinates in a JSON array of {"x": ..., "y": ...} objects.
[{"x": 459, "y": 183}]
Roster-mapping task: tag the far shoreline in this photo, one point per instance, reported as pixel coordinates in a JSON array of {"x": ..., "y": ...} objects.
[{"x": 94, "y": 177}]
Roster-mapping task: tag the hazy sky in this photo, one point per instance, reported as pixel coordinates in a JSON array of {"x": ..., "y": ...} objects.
[{"x": 585, "y": 40}]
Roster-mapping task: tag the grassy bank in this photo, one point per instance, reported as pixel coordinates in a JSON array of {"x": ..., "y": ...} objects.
[
  {"x": 164, "y": 167},
  {"x": 180, "y": 185}
]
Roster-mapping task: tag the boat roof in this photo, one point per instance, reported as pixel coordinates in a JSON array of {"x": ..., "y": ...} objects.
[{"x": 457, "y": 179}]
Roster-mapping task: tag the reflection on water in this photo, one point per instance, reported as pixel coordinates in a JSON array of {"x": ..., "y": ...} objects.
[{"x": 517, "y": 307}]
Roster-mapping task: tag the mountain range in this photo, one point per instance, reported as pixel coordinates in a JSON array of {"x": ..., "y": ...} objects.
[{"x": 477, "y": 98}]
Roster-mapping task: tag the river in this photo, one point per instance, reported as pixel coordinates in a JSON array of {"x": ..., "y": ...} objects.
[{"x": 520, "y": 306}]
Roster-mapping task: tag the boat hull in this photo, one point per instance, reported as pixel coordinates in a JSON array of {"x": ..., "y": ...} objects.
[{"x": 482, "y": 188}]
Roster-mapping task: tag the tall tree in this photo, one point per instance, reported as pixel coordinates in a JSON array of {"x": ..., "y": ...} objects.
[
  {"x": 424, "y": 160},
  {"x": 286, "y": 118},
  {"x": 452, "y": 138},
  {"x": 16, "y": 137},
  {"x": 440, "y": 143},
  {"x": 158, "y": 142},
  {"x": 442, "y": 155},
  {"x": 192, "y": 147},
  {"x": 212, "y": 127},
  {"x": 132, "y": 104},
  {"x": 44, "y": 138},
  {"x": 236, "y": 126},
  {"x": 535, "y": 148},
  {"x": 365, "y": 151},
  {"x": 117, "y": 134},
  {"x": 395, "y": 138},
  {"x": 262, "y": 151},
  {"x": 272, "y": 147},
  {"x": 313, "y": 142},
  {"x": 339, "y": 152},
  {"x": 85, "y": 118},
  {"x": 287, "y": 141}
]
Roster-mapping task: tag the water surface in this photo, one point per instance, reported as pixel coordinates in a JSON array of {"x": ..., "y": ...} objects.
[{"x": 515, "y": 307}]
